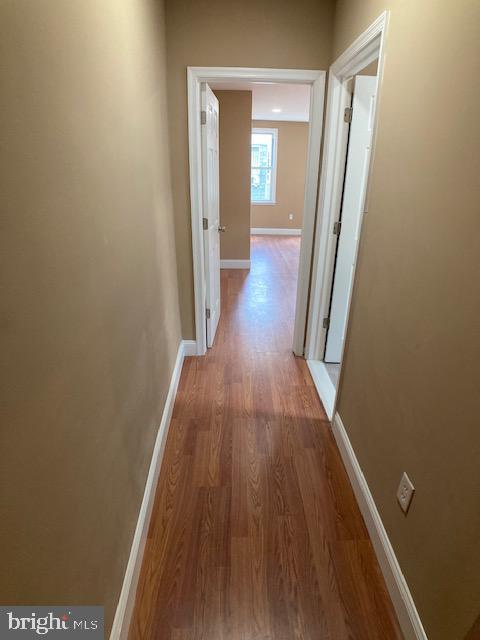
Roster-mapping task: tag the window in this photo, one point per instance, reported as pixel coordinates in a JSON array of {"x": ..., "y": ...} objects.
[{"x": 264, "y": 165}]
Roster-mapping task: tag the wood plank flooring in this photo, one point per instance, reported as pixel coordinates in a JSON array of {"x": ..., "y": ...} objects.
[{"x": 255, "y": 532}]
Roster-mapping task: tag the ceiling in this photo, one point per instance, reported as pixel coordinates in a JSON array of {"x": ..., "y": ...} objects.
[{"x": 293, "y": 100}]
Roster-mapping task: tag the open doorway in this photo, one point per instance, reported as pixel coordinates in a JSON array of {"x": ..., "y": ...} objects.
[
  {"x": 263, "y": 145},
  {"x": 205, "y": 188},
  {"x": 352, "y": 100}
]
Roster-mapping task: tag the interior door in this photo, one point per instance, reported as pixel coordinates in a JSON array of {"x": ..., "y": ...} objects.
[
  {"x": 211, "y": 209},
  {"x": 356, "y": 175}
]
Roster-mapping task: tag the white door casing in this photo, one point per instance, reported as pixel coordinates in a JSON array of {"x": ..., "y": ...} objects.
[
  {"x": 356, "y": 176},
  {"x": 211, "y": 209}
]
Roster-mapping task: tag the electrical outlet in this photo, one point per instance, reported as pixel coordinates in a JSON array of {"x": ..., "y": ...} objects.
[
  {"x": 290, "y": 216},
  {"x": 405, "y": 493}
]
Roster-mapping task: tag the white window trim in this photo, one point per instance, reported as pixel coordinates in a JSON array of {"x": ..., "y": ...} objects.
[{"x": 273, "y": 183}]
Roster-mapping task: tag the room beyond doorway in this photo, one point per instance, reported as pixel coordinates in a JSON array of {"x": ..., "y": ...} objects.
[
  {"x": 198, "y": 79},
  {"x": 263, "y": 149},
  {"x": 272, "y": 290}
]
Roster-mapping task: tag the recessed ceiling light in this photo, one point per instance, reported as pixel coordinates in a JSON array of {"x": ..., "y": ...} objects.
[{"x": 276, "y": 110}]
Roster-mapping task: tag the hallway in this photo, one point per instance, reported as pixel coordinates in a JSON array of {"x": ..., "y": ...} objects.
[{"x": 255, "y": 531}]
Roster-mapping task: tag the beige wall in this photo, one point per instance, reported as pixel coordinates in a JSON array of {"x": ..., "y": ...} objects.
[
  {"x": 235, "y": 109},
  {"x": 290, "y": 187},
  {"x": 370, "y": 70},
  {"x": 410, "y": 396},
  {"x": 90, "y": 321},
  {"x": 273, "y": 33}
]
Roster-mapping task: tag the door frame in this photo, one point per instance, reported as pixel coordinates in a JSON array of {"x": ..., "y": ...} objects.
[
  {"x": 369, "y": 46},
  {"x": 197, "y": 75}
]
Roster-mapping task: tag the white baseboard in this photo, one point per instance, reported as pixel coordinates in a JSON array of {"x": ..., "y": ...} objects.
[
  {"x": 126, "y": 602},
  {"x": 234, "y": 264},
  {"x": 189, "y": 348},
  {"x": 323, "y": 384},
  {"x": 407, "y": 613},
  {"x": 260, "y": 231}
]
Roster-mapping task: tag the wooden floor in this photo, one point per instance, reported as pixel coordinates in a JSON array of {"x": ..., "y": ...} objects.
[{"x": 255, "y": 532}]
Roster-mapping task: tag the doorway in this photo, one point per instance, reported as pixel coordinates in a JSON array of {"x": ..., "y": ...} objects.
[
  {"x": 351, "y": 110},
  {"x": 263, "y": 143},
  {"x": 206, "y": 260}
]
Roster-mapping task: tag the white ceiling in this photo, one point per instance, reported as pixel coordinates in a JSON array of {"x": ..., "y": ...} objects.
[{"x": 292, "y": 99}]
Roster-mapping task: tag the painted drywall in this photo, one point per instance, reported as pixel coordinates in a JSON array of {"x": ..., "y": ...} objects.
[
  {"x": 235, "y": 109},
  {"x": 273, "y": 33},
  {"x": 90, "y": 322},
  {"x": 291, "y": 171},
  {"x": 370, "y": 70},
  {"x": 410, "y": 394}
]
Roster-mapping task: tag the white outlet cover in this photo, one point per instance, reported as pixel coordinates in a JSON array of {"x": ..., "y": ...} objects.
[
  {"x": 405, "y": 493},
  {"x": 290, "y": 216}
]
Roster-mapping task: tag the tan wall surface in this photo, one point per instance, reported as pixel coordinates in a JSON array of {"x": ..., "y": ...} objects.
[
  {"x": 410, "y": 395},
  {"x": 291, "y": 168},
  {"x": 90, "y": 321},
  {"x": 273, "y": 33},
  {"x": 370, "y": 70},
  {"x": 235, "y": 109}
]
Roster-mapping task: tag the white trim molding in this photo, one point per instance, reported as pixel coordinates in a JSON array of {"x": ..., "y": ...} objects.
[
  {"x": 264, "y": 231},
  {"x": 323, "y": 384},
  {"x": 316, "y": 79},
  {"x": 234, "y": 264},
  {"x": 126, "y": 602},
  {"x": 407, "y": 613},
  {"x": 189, "y": 348}
]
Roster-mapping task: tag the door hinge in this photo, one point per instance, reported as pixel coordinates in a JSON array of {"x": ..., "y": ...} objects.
[
  {"x": 203, "y": 117},
  {"x": 337, "y": 227},
  {"x": 347, "y": 114},
  {"x": 205, "y": 224},
  {"x": 326, "y": 323},
  {"x": 207, "y": 313}
]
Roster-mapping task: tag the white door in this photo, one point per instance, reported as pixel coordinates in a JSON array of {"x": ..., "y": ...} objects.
[
  {"x": 211, "y": 209},
  {"x": 356, "y": 176}
]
